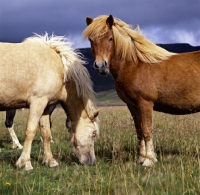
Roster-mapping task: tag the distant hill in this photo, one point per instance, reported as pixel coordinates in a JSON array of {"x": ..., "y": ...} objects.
[
  {"x": 179, "y": 47},
  {"x": 102, "y": 83}
]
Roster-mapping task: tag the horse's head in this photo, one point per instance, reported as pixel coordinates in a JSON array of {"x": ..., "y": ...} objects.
[
  {"x": 80, "y": 106},
  {"x": 102, "y": 45},
  {"x": 82, "y": 136}
]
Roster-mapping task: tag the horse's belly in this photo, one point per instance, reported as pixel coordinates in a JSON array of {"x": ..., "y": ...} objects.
[
  {"x": 176, "y": 110},
  {"x": 7, "y": 105}
]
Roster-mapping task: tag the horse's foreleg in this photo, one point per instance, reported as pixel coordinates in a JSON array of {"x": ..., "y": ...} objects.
[
  {"x": 137, "y": 121},
  {"x": 150, "y": 158},
  {"x": 146, "y": 111},
  {"x": 51, "y": 109},
  {"x": 46, "y": 136},
  {"x": 36, "y": 109}
]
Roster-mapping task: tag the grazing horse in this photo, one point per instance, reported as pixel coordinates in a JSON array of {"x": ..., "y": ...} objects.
[
  {"x": 9, "y": 123},
  {"x": 147, "y": 77},
  {"x": 43, "y": 71}
]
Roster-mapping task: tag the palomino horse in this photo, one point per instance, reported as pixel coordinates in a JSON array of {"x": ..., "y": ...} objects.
[
  {"x": 146, "y": 76},
  {"x": 40, "y": 72},
  {"x": 9, "y": 123}
]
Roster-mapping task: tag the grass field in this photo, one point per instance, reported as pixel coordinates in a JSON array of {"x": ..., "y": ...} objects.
[{"x": 176, "y": 141}]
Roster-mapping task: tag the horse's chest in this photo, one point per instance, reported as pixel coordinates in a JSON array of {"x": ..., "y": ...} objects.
[{"x": 125, "y": 93}]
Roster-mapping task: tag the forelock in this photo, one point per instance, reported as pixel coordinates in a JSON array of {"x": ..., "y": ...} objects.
[{"x": 97, "y": 29}]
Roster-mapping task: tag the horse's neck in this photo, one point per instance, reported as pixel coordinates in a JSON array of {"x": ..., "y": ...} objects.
[
  {"x": 76, "y": 112},
  {"x": 118, "y": 67},
  {"x": 74, "y": 104}
]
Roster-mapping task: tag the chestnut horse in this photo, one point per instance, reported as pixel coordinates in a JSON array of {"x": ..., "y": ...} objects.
[
  {"x": 146, "y": 76},
  {"x": 43, "y": 71}
]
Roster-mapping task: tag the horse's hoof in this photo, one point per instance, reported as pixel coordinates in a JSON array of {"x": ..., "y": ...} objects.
[
  {"x": 17, "y": 146},
  {"x": 28, "y": 166},
  {"x": 51, "y": 163},
  {"x": 21, "y": 163},
  {"x": 140, "y": 160},
  {"x": 149, "y": 162}
]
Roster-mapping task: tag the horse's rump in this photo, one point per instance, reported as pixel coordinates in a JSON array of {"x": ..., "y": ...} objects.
[{"x": 28, "y": 69}]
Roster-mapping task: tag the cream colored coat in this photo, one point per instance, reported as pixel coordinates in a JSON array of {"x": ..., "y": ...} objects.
[{"x": 42, "y": 71}]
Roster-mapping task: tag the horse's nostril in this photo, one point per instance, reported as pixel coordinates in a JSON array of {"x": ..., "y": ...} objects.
[
  {"x": 104, "y": 65},
  {"x": 95, "y": 65}
]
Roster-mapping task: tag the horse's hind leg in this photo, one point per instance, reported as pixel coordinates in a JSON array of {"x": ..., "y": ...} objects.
[
  {"x": 51, "y": 109},
  {"x": 46, "y": 137},
  {"x": 10, "y": 114},
  {"x": 36, "y": 110}
]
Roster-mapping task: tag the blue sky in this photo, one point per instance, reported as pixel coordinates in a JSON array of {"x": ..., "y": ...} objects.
[{"x": 162, "y": 21}]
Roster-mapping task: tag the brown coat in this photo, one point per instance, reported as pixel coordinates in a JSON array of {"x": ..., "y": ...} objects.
[{"x": 147, "y": 77}]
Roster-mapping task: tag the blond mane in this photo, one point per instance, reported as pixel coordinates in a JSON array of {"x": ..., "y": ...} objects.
[
  {"x": 73, "y": 68},
  {"x": 129, "y": 44}
]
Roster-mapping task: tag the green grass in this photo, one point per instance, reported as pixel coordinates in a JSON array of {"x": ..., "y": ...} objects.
[{"x": 176, "y": 140}]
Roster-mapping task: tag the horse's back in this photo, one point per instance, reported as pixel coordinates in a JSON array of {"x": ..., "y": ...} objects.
[
  {"x": 28, "y": 69},
  {"x": 177, "y": 83},
  {"x": 23, "y": 55},
  {"x": 181, "y": 70}
]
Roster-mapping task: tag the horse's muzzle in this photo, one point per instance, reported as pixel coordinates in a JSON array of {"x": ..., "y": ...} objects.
[
  {"x": 101, "y": 67},
  {"x": 87, "y": 160}
]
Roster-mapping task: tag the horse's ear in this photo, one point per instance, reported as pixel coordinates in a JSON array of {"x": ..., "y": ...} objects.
[
  {"x": 88, "y": 21},
  {"x": 95, "y": 114},
  {"x": 110, "y": 21},
  {"x": 137, "y": 28}
]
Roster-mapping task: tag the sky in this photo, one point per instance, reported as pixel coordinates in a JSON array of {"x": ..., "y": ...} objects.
[{"x": 161, "y": 21}]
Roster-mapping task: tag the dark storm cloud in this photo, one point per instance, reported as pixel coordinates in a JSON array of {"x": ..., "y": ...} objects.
[{"x": 160, "y": 20}]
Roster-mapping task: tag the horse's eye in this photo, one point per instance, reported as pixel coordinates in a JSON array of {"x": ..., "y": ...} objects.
[
  {"x": 110, "y": 39},
  {"x": 94, "y": 134}
]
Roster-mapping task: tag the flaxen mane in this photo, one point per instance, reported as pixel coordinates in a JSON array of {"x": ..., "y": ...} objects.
[
  {"x": 129, "y": 44},
  {"x": 73, "y": 68}
]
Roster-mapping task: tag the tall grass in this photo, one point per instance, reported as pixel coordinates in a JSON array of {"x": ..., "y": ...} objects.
[{"x": 176, "y": 140}]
